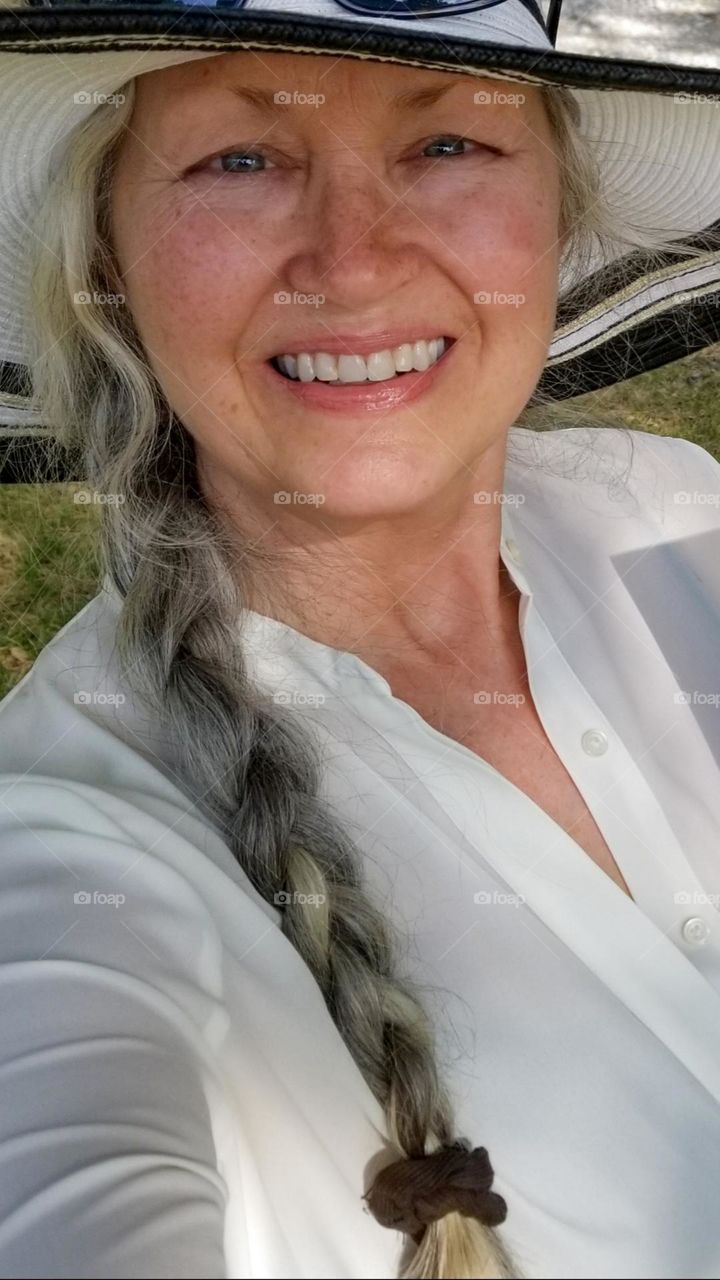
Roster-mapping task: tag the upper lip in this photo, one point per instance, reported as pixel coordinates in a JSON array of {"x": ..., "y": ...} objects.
[{"x": 338, "y": 344}]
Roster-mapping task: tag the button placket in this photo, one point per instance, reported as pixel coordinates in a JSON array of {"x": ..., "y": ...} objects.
[{"x": 577, "y": 731}]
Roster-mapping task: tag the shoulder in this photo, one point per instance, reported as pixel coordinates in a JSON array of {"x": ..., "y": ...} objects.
[
  {"x": 684, "y": 458},
  {"x": 659, "y": 481},
  {"x": 683, "y": 479},
  {"x": 612, "y": 441},
  {"x": 93, "y": 801}
]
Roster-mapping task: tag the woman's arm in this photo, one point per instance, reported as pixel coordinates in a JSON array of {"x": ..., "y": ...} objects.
[{"x": 107, "y": 1157}]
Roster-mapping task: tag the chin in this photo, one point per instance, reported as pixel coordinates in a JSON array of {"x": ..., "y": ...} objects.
[{"x": 371, "y": 488}]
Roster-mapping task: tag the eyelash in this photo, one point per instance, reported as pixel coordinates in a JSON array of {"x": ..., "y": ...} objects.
[{"x": 440, "y": 137}]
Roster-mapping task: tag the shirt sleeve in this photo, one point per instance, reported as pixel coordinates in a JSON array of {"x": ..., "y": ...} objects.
[{"x": 107, "y": 1156}]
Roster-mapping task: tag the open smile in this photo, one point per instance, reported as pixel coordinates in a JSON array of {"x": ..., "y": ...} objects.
[{"x": 380, "y": 380}]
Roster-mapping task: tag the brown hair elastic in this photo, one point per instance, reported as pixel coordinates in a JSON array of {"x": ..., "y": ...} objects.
[{"x": 411, "y": 1193}]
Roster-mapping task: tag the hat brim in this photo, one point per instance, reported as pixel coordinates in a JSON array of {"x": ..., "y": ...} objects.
[{"x": 88, "y": 28}]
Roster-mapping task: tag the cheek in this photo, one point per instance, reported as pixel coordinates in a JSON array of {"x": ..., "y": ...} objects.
[
  {"x": 510, "y": 252},
  {"x": 508, "y": 241},
  {"x": 193, "y": 290}
]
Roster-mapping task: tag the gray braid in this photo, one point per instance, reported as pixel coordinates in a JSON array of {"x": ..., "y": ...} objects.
[{"x": 258, "y": 778}]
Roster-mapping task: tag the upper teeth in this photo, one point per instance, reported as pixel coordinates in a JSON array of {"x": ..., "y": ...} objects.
[{"x": 376, "y": 367}]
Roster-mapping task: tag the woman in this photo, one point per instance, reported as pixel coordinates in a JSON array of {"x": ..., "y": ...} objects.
[{"x": 348, "y": 827}]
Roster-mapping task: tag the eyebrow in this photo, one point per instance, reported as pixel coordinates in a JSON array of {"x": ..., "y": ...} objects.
[{"x": 410, "y": 100}]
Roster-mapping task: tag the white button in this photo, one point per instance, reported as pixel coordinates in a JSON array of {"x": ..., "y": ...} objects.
[
  {"x": 696, "y": 931},
  {"x": 513, "y": 550},
  {"x": 595, "y": 742}
]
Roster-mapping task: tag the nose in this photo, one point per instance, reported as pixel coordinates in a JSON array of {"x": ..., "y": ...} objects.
[{"x": 358, "y": 240}]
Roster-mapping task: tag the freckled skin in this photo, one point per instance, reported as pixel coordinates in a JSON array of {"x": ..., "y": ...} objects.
[{"x": 355, "y": 211}]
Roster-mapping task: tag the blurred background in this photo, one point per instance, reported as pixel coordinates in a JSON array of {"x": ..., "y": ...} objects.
[
  {"x": 662, "y": 30},
  {"x": 48, "y": 567}
]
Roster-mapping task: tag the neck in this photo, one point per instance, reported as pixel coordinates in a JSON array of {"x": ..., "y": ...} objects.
[{"x": 417, "y": 588}]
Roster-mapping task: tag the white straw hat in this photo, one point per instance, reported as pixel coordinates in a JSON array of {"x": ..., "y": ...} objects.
[{"x": 654, "y": 127}]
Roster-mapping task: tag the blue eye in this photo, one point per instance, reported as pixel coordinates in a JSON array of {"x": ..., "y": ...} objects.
[
  {"x": 450, "y": 140},
  {"x": 241, "y": 161}
]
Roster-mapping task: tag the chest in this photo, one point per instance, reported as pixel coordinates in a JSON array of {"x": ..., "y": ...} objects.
[{"x": 508, "y": 734}]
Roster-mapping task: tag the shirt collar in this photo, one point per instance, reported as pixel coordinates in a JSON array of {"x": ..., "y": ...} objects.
[{"x": 513, "y": 540}]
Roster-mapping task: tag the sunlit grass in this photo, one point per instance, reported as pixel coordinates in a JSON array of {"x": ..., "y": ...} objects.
[{"x": 48, "y": 569}]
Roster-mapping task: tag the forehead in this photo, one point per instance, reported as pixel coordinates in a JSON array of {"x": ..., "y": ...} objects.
[{"x": 362, "y": 82}]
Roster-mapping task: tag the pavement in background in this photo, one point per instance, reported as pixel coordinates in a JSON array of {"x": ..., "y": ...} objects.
[{"x": 686, "y": 31}]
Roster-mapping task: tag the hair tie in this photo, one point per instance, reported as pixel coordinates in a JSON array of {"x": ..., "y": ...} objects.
[{"x": 411, "y": 1193}]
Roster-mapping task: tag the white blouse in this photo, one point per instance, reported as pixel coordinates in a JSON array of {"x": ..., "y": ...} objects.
[{"x": 175, "y": 1098}]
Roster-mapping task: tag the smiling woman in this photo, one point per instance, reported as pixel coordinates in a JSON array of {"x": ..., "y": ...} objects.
[
  {"x": 335, "y": 282},
  {"x": 358, "y": 205}
]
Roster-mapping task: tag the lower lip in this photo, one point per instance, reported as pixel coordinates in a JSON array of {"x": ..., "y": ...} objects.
[{"x": 363, "y": 397}]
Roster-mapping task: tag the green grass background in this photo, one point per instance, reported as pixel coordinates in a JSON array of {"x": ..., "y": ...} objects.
[{"x": 48, "y": 560}]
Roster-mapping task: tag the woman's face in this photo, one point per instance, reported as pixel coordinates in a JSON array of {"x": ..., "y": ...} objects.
[{"x": 300, "y": 204}]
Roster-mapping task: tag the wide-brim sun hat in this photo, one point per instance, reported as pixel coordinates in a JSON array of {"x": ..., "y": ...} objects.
[{"x": 654, "y": 128}]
